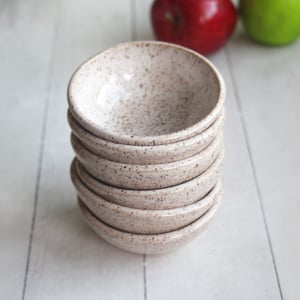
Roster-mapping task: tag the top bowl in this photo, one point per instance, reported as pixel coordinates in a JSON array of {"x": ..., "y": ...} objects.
[{"x": 146, "y": 93}]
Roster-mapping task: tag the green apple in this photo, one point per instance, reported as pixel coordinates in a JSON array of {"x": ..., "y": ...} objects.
[{"x": 271, "y": 22}]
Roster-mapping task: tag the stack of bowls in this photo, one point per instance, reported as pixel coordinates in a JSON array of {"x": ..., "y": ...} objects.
[{"x": 147, "y": 124}]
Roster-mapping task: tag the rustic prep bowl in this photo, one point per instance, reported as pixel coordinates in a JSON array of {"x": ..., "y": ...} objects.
[
  {"x": 144, "y": 177},
  {"x": 146, "y": 93},
  {"x": 147, "y": 154},
  {"x": 140, "y": 220},
  {"x": 173, "y": 197},
  {"x": 147, "y": 243}
]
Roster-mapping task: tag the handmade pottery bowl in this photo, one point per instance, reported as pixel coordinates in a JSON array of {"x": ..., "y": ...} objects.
[
  {"x": 141, "y": 220},
  {"x": 173, "y": 197},
  {"x": 144, "y": 177},
  {"x": 148, "y": 243},
  {"x": 147, "y": 154},
  {"x": 146, "y": 93}
]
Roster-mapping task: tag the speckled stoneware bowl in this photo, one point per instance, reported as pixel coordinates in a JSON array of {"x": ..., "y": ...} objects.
[
  {"x": 147, "y": 154},
  {"x": 148, "y": 243},
  {"x": 158, "y": 199},
  {"x": 144, "y": 177},
  {"x": 146, "y": 93},
  {"x": 141, "y": 220}
]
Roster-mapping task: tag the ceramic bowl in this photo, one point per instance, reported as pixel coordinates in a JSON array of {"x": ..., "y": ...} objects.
[
  {"x": 141, "y": 220},
  {"x": 146, "y": 93},
  {"x": 144, "y": 177},
  {"x": 158, "y": 199},
  {"x": 147, "y": 154},
  {"x": 147, "y": 243}
]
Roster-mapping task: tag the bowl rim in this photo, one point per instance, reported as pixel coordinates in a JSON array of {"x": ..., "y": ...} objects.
[
  {"x": 128, "y": 139},
  {"x": 148, "y": 199},
  {"x": 218, "y": 163},
  {"x": 83, "y": 152},
  {"x": 85, "y": 192},
  {"x": 75, "y": 126},
  {"x": 145, "y": 238}
]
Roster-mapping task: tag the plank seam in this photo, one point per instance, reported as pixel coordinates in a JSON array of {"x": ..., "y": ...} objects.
[
  {"x": 41, "y": 152},
  {"x": 133, "y": 20},
  {"x": 252, "y": 164},
  {"x": 133, "y": 23},
  {"x": 145, "y": 276}
]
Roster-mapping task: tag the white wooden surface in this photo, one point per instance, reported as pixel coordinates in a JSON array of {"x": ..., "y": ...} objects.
[{"x": 250, "y": 251}]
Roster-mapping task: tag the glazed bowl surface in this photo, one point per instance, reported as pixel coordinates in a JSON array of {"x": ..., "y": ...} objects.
[
  {"x": 148, "y": 243},
  {"x": 131, "y": 154},
  {"x": 145, "y": 177},
  {"x": 166, "y": 198},
  {"x": 144, "y": 221},
  {"x": 146, "y": 93}
]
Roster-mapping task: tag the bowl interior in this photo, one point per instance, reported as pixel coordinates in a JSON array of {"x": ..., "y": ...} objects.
[{"x": 144, "y": 89}]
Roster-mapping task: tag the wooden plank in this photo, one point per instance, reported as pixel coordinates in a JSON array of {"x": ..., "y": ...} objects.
[
  {"x": 68, "y": 260},
  {"x": 267, "y": 83},
  {"x": 26, "y": 33},
  {"x": 232, "y": 259}
]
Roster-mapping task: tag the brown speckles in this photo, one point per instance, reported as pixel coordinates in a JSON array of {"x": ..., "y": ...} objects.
[
  {"x": 148, "y": 143},
  {"x": 143, "y": 221},
  {"x": 146, "y": 176},
  {"x": 170, "y": 106},
  {"x": 147, "y": 199},
  {"x": 149, "y": 243}
]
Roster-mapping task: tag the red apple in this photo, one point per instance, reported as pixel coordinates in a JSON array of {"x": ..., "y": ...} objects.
[{"x": 202, "y": 25}]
